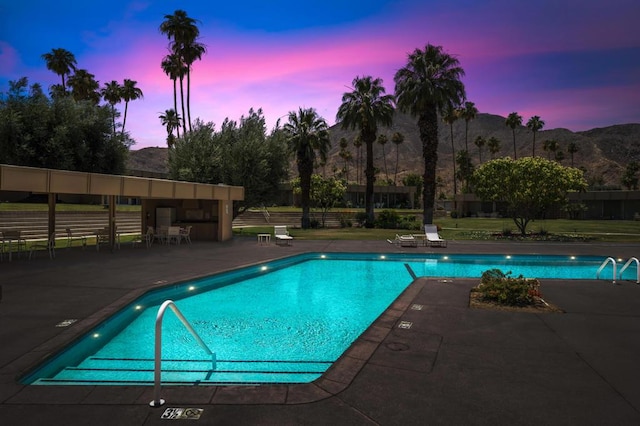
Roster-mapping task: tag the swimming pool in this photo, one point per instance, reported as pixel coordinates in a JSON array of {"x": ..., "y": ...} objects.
[{"x": 284, "y": 321}]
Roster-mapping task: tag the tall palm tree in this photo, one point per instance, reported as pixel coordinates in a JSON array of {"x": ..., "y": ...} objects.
[
  {"x": 397, "y": 138},
  {"x": 468, "y": 112},
  {"x": 183, "y": 31},
  {"x": 173, "y": 66},
  {"x": 112, "y": 94},
  {"x": 84, "y": 86},
  {"x": 61, "y": 62},
  {"x": 307, "y": 137},
  {"x": 364, "y": 108},
  {"x": 550, "y": 146},
  {"x": 494, "y": 146},
  {"x": 534, "y": 124},
  {"x": 450, "y": 115},
  {"x": 480, "y": 142},
  {"x": 428, "y": 84},
  {"x": 514, "y": 120},
  {"x": 382, "y": 140},
  {"x": 572, "y": 149},
  {"x": 171, "y": 120},
  {"x": 129, "y": 93}
]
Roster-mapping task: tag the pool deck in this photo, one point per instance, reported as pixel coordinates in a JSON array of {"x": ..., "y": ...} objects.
[{"x": 454, "y": 365}]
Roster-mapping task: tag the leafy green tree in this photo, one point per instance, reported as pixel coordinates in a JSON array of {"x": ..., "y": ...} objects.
[
  {"x": 429, "y": 83},
  {"x": 529, "y": 186},
  {"x": 345, "y": 154},
  {"x": 630, "y": 176},
  {"x": 535, "y": 124},
  {"x": 325, "y": 193},
  {"x": 61, "y": 62},
  {"x": 513, "y": 121},
  {"x": 397, "y": 138},
  {"x": 84, "y": 87},
  {"x": 364, "y": 108},
  {"x": 468, "y": 112},
  {"x": 307, "y": 137},
  {"x": 494, "y": 146},
  {"x": 129, "y": 93}
]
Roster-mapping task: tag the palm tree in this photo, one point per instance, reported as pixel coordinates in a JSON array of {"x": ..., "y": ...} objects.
[
  {"x": 535, "y": 124},
  {"x": 494, "y": 146},
  {"x": 427, "y": 85},
  {"x": 174, "y": 68},
  {"x": 129, "y": 93},
  {"x": 382, "y": 140},
  {"x": 357, "y": 143},
  {"x": 307, "y": 133},
  {"x": 184, "y": 32},
  {"x": 480, "y": 142},
  {"x": 112, "y": 94},
  {"x": 61, "y": 62},
  {"x": 364, "y": 108},
  {"x": 84, "y": 86},
  {"x": 397, "y": 138},
  {"x": 345, "y": 155},
  {"x": 450, "y": 115},
  {"x": 171, "y": 120},
  {"x": 550, "y": 146},
  {"x": 514, "y": 120},
  {"x": 468, "y": 112},
  {"x": 572, "y": 149}
]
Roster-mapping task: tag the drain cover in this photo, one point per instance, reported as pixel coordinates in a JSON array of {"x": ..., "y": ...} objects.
[
  {"x": 182, "y": 414},
  {"x": 397, "y": 346},
  {"x": 66, "y": 323},
  {"x": 417, "y": 307},
  {"x": 405, "y": 324}
]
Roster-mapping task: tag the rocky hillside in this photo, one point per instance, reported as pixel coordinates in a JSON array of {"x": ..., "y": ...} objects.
[{"x": 602, "y": 152}]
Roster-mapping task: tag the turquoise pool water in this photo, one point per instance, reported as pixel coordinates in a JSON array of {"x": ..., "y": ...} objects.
[{"x": 285, "y": 321}]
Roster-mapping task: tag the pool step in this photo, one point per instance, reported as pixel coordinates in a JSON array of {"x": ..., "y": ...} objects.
[{"x": 140, "y": 371}]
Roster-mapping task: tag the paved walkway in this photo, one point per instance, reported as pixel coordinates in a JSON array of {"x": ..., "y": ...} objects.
[{"x": 455, "y": 365}]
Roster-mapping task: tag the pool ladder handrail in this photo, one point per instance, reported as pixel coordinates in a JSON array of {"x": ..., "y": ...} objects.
[
  {"x": 157, "y": 401},
  {"x": 626, "y": 265},
  {"x": 606, "y": 261}
]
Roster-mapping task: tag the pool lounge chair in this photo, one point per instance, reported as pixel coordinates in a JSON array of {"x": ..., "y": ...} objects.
[
  {"x": 406, "y": 241},
  {"x": 432, "y": 236},
  {"x": 282, "y": 235}
]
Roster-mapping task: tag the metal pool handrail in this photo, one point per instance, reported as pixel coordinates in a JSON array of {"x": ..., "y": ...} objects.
[
  {"x": 157, "y": 401},
  {"x": 626, "y": 265},
  {"x": 606, "y": 261}
]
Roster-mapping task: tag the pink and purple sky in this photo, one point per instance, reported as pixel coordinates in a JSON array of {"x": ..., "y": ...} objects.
[{"x": 575, "y": 63}]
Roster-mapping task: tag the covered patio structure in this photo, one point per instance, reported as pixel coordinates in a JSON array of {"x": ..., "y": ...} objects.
[{"x": 206, "y": 208}]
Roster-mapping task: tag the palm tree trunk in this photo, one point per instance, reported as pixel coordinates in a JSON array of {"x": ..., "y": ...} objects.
[
  {"x": 305, "y": 170},
  {"x": 515, "y": 154},
  {"x": 124, "y": 119},
  {"x": 455, "y": 183},
  {"x": 175, "y": 104},
  {"x": 370, "y": 176},
  {"x": 189, "y": 97},
  {"x": 184, "y": 123},
  {"x": 428, "y": 127},
  {"x": 395, "y": 176}
]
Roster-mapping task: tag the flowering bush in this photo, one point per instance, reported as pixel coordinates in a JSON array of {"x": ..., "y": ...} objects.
[{"x": 498, "y": 287}]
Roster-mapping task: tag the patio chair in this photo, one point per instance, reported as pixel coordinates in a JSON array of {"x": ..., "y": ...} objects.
[
  {"x": 71, "y": 238},
  {"x": 406, "y": 241},
  {"x": 49, "y": 245},
  {"x": 185, "y": 234},
  {"x": 432, "y": 236},
  {"x": 173, "y": 235},
  {"x": 282, "y": 235}
]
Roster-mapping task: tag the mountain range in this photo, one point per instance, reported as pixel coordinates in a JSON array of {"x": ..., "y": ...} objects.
[{"x": 602, "y": 153}]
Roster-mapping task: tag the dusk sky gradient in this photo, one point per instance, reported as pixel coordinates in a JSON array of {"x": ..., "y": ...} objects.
[{"x": 574, "y": 63}]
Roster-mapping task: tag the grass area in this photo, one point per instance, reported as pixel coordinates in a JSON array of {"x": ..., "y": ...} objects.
[{"x": 480, "y": 229}]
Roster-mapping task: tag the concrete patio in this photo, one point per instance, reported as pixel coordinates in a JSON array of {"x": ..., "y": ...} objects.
[{"x": 455, "y": 365}]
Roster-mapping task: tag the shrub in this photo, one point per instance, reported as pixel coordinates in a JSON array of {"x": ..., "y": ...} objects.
[
  {"x": 361, "y": 218},
  {"x": 387, "y": 219},
  {"x": 496, "y": 286}
]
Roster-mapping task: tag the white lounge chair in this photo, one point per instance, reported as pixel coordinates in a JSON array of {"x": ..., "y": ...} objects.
[
  {"x": 432, "y": 236},
  {"x": 282, "y": 235},
  {"x": 406, "y": 241}
]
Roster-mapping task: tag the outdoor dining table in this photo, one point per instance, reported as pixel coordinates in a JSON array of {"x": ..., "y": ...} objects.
[{"x": 9, "y": 237}]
